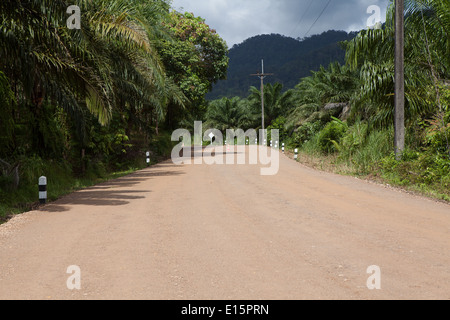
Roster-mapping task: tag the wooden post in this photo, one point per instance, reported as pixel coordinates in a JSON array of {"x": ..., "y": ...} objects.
[{"x": 399, "y": 79}]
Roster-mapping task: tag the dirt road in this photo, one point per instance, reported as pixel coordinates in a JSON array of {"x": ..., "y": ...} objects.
[{"x": 226, "y": 232}]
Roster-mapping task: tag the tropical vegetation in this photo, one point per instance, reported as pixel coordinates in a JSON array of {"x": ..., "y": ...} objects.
[
  {"x": 343, "y": 114},
  {"x": 79, "y": 102}
]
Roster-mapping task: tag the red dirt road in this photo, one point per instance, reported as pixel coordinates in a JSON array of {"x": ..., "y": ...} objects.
[{"x": 226, "y": 232}]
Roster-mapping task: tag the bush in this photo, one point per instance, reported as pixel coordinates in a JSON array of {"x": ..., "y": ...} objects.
[
  {"x": 330, "y": 137},
  {"x": 277, "y": 124},
  {"x": 376, "y": 146},
  {"x": 353, "y": 139},
  {"x": 430, "y": 173},
  {"x": 162, "y": 145},
  {"x": 304, "y": 133}
]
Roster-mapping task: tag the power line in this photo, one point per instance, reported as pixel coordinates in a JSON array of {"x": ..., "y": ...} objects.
[
  {"x": 325, "y": 8},
  {"x": 303, "y": 16}
]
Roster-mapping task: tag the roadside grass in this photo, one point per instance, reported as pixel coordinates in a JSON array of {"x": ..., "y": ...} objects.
[
  {"x": 406, "y": 176},
  {"x": 367, "y": 154}
]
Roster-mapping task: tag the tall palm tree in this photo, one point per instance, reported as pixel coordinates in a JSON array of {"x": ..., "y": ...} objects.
[
  {"x": 110, "y": 63},
  {"x": 427, "y": 50},
  {"x": 276, "y": 102}
]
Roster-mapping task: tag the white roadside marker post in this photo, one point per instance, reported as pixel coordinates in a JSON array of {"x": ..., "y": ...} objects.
[
  {"x": 148, "y": 157},
  {"x": 282, "y": 148},
  {"x": 296, "y": 154},
  {"x": 43, "y": 190}
]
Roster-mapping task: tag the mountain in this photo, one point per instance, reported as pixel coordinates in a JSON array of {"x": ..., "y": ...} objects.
[{"x": 288, "y": 58}]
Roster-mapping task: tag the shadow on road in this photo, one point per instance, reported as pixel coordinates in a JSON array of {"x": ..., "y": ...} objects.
[
  {"x": 111, "y": 193},
  {"x": 89, "y": 197}
]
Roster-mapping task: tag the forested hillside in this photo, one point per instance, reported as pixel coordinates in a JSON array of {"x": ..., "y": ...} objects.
[{"x": 289, "y": 59}]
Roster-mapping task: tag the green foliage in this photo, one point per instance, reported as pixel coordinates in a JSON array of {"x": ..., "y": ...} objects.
[
  {"x": 362, "y": 148},
  {"x": 311, "y": 97},
  {"x": 330, "y": 137},
  {"x": 437, "y": 135},
  {"x": 7, "y": 102},
  {"x": 227, "y": 113},
  {"x": 276, "y": 103},
  {"x": 32, "y": 167},
  {"x": 304, "y": 133},
  {"x": 354, "y": 138},
  {"x": 62, "y": 78},
  {"x": 195, "y": 57},
  {"x": 162, "y": 146},
  {"x": 425, "y": 172},
  {"x": 426, "y": 60},
  {"x": 377, "y": 145},
  {"x": 278, "y": 124},
  {"x": 82, "y": 103},
  {"x": 245, "y": 114}
]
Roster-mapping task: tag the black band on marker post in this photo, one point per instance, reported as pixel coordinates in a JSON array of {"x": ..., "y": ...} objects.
[{"x": 43, "y": 190}]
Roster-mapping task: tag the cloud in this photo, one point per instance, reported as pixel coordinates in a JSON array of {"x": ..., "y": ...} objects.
[{"x": 237, "y": 20}]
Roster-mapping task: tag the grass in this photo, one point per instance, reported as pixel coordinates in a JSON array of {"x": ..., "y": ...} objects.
[
  {"x": 399, "y": 178},
  {"x": 371, "y": 158}
]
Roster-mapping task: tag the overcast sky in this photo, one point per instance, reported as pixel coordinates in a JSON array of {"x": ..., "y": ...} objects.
[{"x": 237, "y": 20}]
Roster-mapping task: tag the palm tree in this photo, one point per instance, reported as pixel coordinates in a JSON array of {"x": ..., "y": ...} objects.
[
  {"x": 334, "y": 84},
  {"x": 111, "y": 63},
  {"x": 276, "y": 102},
  {"x": 427, "y": 63},
  {"x": 227, "y": 113}
]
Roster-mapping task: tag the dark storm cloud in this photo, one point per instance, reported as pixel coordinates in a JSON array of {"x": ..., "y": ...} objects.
[{"x": 237, "y": 20}]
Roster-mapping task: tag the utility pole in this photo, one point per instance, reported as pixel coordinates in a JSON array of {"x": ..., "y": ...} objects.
[
  {"x": 399, "y": 79},
  {"x": 262, "y": 75}
]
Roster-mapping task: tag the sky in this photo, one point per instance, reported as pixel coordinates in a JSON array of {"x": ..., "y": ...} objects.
[{"x": 237, "y": 20}]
